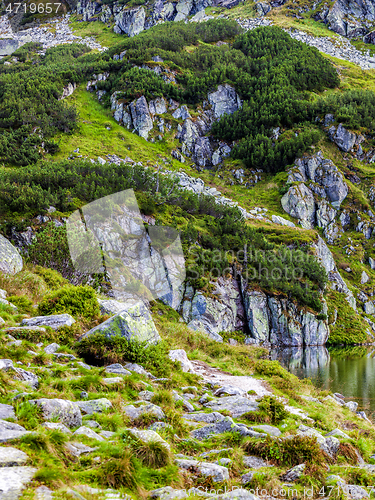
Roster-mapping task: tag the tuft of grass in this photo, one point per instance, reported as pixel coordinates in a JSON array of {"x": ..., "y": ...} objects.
[
  {"x": 153, "y": 454},
  {"x": 121, "y": 470}
]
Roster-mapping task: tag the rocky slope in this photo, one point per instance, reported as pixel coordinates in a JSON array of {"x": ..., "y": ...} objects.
[{"x": 191, "y": 429}]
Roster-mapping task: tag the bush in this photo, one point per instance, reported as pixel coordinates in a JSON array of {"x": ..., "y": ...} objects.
[
  {"x": 79, "y": 301},
  {"x": 287, "y": 452},
  {"x": 273, "y": 408},
  {"x": 23, "y": 303},
  {"x": 99, "y": 350},
  {"x": 52, "y": 278}
]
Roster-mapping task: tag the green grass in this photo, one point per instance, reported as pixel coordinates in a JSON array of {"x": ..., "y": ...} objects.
[{"x": 102, "y": 33}]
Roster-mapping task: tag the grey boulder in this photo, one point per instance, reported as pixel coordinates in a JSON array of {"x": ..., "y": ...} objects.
[
  {"x": 235, "y": 405},
  {"x": 135, "y": 412},
  {"x": 62, "y": 410},
  {"x": 13, "y": 480},
  {"x": 6, "y": 411},
  {"x": 343, "y": 138},
  {"x": 218, "y": 473},
  {"x": 117, "y": 368},
  {"x": 135, "y": 323},
  {"x": 10, "y": 431},
  {"x": 10, "y": 258},
  {"x": 12, "y": 457},
  {"x": 224, "y": 100},
  {"x": 54, "y": 321},
  {"x": 94, "y": 406},
  {"x": 225, "y": 425},
  {"x": 294, "y": 473}
]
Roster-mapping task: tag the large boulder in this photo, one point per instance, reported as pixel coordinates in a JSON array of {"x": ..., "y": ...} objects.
[
  {"x": 224, "y": 100},
  {"x": 63, "y": 410},
  {"x": 130, "y": 21},
  {"x": 142, "y": 121},
  {"x": 134, "y": 323},
  {"x": 13, "y": 480},
  {"x": 299, "y": 202},
  {"x": 332, "y": 181},
  {"x": 344, "y": 139},
  {"x": 10, "y": 259}
]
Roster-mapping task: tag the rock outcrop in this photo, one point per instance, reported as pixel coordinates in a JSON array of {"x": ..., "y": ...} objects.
[
  {"x": 278, "y": 321},
  {"x": 131, "y": 21},
  {"x": 220, "y": 312},
  {"x": 142, "y": 117},
  {"x": 316, "y": 195},
  {"x": 350, "y": 18}
]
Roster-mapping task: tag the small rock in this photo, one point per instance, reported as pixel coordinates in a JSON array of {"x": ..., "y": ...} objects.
[
  {"x": 77, "y": 449},
  {"x": 247, "y": 478},
  {"x": 268, "y": 429},
  {"x": 117, "y": 368},
  {"x": 51, "y": 348},
  {"x": 92, "y": 424},
  {"x": 54, "y": 321},
  {"x": 149, "y": 408},
  {"x": 57, "y": 426},
  {"x": 338, "y": 433},
  {"x": 6, "y": 411},
  {"x": 352, "y": 405},
  {"x": 146, "y": 395},
  {"x": 254, "y": 462},
  {"x": 294, "y": 473},
  {"x": 94, "y": 406},
  {"x": 147, "y": 436},
  {"x": 181, "y": 356},
  {"x": 87, "y": 432},
  {"x": 10, "y": 431},
  {"x": 218, "y": 473}
]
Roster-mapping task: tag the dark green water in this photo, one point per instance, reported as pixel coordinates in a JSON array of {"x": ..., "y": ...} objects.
[{"x": 347, "y": 370}]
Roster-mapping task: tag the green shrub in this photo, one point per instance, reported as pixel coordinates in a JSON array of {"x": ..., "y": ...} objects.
[
  {"x": 273, "y": 408},
  {"x": 99, "y": 350},
  {"x": 287, "y": 452},
  {"x": 23, "y": 303},
  {"x": 52, "y": 277},
  {"x": 271, "y": 368},
  {"x": 79, "y": 301}
]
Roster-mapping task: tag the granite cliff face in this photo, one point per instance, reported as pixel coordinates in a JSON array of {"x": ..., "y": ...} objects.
[
  {"x": 132, "y": 20},
  {"x": 349, "y": 18}
]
